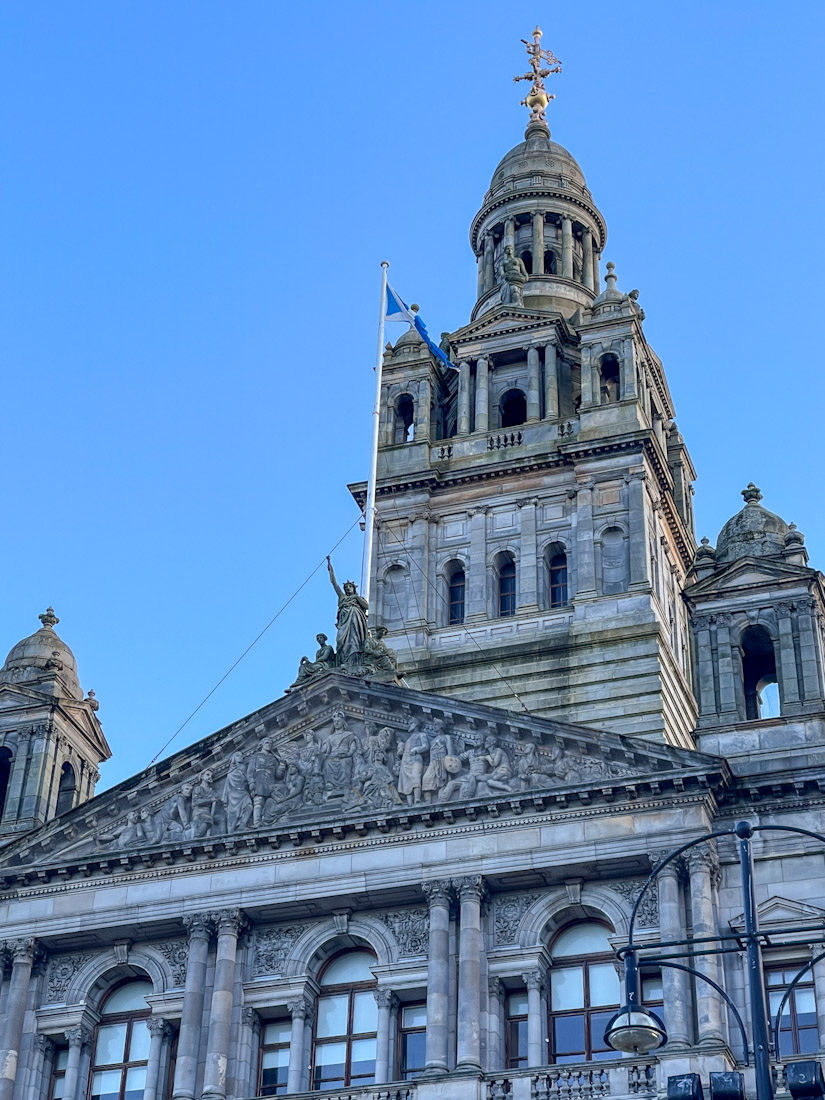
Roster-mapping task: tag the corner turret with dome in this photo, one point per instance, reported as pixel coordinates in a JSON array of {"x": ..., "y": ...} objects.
[{"x": 51, "y": 740}]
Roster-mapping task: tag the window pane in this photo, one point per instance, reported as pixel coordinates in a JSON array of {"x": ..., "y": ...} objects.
[
  {"x": 139, "y": 1042},
  {"x": 111, "y": 1041},
  {"x": 414, "y": 1016},
  {"x": 604, "y": 984},
  {"x": 587, "y": 938},
  {"x": 598, "y": 1047},
  {"x": 61, "y": 1058},
  {"x": 105, "y": 1084},
  {"x": 413, "y": 1048},
  {"x": 332, "y": 1015},
  {"x": 352, "y": 967},
  {"x": 805, "y": 1006},
  {"x": 518, "y": 1043},
  {"x": 275, "y": 1059},
  {"x": 57, "y": 1088},
  {"x": 135, "y": 1083},
  {"x": 517, "y": 1004},
  {"x": 568, "y": 1036},
  {"x": 363, "y": 1058},
  {"x": 774, "y": 977},
  {"x": 278, "y": 1032},
  {"x": 775, "y": 998},
  {"x": 364, "y": 1013},
  {"x": 330, "y": 1063},
  {"x": 651, "y": 990},
  {"x": 128, "y": 998},
  {"x": 808, "y": 1040},
  {"x": 566, "y": 988}
]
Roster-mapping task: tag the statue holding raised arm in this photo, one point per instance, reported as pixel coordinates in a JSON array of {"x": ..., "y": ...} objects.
[{"x": 351, "y": 624}]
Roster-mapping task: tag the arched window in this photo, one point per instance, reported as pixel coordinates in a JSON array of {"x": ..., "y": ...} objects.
[
  {"x": 759, "y": 673},
  {"x": 506, "y": 586},
  {"x": 456, "y": 589},
  {"x": 584, "y": 992},
  {"x": 395, "y": 598},
  {"x": 66, "y": 789},
  {"x": 121, "y": 1046},
  {"x": 5, "y": 773},
  {"x": 346, "y": 1023},
  {"x": 549, "y": 262},
  {"x": 557, "y": 577},
  {"x": 527, "y": 260},
  {"x": 404, "y": 419},
  {"x": 513, "y": 409},
  {"x": 609, "y": 379}
]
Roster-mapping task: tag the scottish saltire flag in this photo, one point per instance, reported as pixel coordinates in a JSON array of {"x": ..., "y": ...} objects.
[{"x": 398, "y": 310}]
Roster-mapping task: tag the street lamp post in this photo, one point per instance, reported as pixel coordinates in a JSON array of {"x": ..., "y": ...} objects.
[{"x": 633, "y": 1029}]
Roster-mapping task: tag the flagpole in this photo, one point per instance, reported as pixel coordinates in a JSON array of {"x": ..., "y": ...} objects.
[{"x": 376, "y": 419}]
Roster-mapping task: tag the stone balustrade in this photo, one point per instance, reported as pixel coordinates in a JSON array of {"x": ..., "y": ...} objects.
[{"x": 576, "y": 1081}]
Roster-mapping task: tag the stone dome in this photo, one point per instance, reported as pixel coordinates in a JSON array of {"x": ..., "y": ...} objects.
[
  {"x": 409, "y": 339},
  {"x": 537, "y": 157},
  {"x": 42, "y": 656},
  {"x": 752, "y": 533}
]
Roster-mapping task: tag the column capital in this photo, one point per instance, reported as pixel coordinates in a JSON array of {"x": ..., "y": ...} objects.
[
  {"x": 251, "y": 1019},
  {"x": 78, "y": 1036},
  {"x": 301, "y": 1009},
  {"x": 533, "y": 979},
  {"x": 675, "y": 868},
  {"x": 385, "y": 998},
  {"x": 470, "y": 886},
  {"x": 231, "y": 921},
  {"x": 45, "y": 1044},
  {"x": 198, "y": 925},
  {"x": 438, "y": 891},
  {"x": 158, "y": 1027},
  {"x": 704, "y": 859},
  {"x": 23, "y": 949},
  {"x": 495, "y": 985}
]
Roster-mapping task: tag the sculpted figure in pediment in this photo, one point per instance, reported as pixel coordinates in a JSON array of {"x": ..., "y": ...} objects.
[
  {"x": 380, "y": 768},
  {"x": 379, "y": 660},
  {"x": 535, "y": 769},
  {"x": 208, "y": 811},
  {"x": 239, "y": 807},
  {"x": 342, "y": 759},
  {"x": 443, "y": 762},
  {"x": 411, "y": 770},
  {"x": 262, "y": 772}
]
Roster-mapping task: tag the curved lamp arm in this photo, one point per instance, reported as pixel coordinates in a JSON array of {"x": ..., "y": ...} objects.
[
  {"x": 808, "y": 966},
  {"x": 722, "y": 994}
]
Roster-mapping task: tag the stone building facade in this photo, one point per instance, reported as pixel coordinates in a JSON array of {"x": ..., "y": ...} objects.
[{"x": 408, "y": 883}]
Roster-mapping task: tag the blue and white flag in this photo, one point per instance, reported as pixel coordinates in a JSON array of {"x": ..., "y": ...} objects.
[{"x": 398, "y": 310}]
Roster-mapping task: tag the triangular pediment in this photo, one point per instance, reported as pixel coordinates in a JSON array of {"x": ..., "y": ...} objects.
[
  {"x": 506, "y": 320},
  {"x": 777, "y": 911},
  {"x": 349, "y": 754},
  {"x": 749, "y": 572}
]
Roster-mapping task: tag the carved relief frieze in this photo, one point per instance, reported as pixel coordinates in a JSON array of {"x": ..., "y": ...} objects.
[
  {"x": 272, "y": 948},
  {"x": 411, "y": 928},
  {"x": 628, "y": 888},
  {"x": 175, "y": 952},
  {"x": 507, "y": 914},
  {"x": 62, "y": 968}
]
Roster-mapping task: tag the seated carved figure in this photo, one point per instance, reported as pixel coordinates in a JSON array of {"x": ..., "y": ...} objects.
[{"x": 324, "y": 661}]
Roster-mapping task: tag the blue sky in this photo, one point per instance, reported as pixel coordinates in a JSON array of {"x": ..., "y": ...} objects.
[{"x": 196, "y": 198}]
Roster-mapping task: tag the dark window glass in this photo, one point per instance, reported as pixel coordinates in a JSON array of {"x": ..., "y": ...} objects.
[
  {"x": 798, "y": 1031},
  {"x": 121, "y": 1047},
  {"x": 515, "y": 1037},
  {"x": 5, "y": 772},
  {"x": 457, "y": 588},
  {"x": 507, "y": 589},
  {"x": 558, "y": 580},
  {"x": 61, "y": 1059},
  {"x": 412, "y": 1035},
  {"x": 513, "y": 409},
  {"x": 274, "y": 1057}
]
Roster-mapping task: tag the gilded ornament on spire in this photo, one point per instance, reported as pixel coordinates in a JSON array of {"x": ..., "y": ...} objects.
[{"x": 542, "y": 63}]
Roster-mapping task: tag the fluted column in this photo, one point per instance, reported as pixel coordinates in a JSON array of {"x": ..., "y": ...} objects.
[
  {"x": 567, "y": 246},
  {"x": 495, "y": 1029},
  {"x": 230, "y": 923},
  {"x": 534, "y": 983},
  {"x": 470, "y": 890},
  {"x": 674, "y": 982},
  {"x": 77, "y": 1038},
  {"x": 533, "y": 385},
  {"x": 482, "y": 394},
  {"x": 704, "y": 871},
  {"x": 587, "y": 258},
  {"x": 22, "y": 953},
  {"x": 199, "y": 927},
  {"x": 463, "y": 419},
  {"x": 439, "y": 895},
  {"x": 160, "y": 1031},
  {"x": 300, "y": 1011},
  {"x": 551, "y": 383},
  {"x": 538, "y": 243},
  {"x": 489, "y": 263},
  {"x": 387, "y": 1004}
]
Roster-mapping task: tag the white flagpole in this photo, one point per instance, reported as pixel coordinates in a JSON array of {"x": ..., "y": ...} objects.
[{"x": 369, "y": 526}]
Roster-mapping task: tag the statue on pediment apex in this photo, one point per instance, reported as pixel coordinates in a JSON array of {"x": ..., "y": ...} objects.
[{"x": 351, "y": 624}]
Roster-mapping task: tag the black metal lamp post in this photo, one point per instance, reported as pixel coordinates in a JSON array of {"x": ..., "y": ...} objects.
[{"x": 635, "y": 1030}]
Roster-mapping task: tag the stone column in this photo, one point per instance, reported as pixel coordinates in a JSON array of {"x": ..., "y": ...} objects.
[
  {"x": 18, "y": 771},
  {"x": 419, "y": 540},
  {"x": 199, "y": 926},
  {"x": 489, "y": 263},
  {"x": 229, "y": 923},
  {"x": 704, "y": 664},
  {"x": 727, "y": 685},
  {"x": 527, "y": 589},
  {"x": 22, "y": 954},
  {"x": 567, "y": 246},
  {"x": 628, "y": 371},
  {"x": 551, "y": 383},
  {"x": 637, "y": 523},
  {"x": 510, "y": 232},
  {"x": 439, "y": 895},
  {"x": 245, "y": 1056},
  {"x": 470, "y": 890},
  {"x": 477, "y": 578},
  {"x": 588, "y": 396},
  {"x": 587, "y": 258},
  {"x": 806, "y": 610},
  {"x": 495, "y": 1045},
  {"x": 538, "y": 243},
  {"x": 300, "y": 1011},
  {"x": 534, "y": 983},
  {"x": 77, "y": 1038},
  {"x": 160, "y": 1031},
  {"x": 704, "y": 871},
  {"x": 533, "y": 386},
  {"x": 674, "y": 982},
  {"x": 597, "y": 283},
  {"x": 423, "y": 411},
  {"x": 44, "y": 1063},
  {"x": 819, "y": 992},
  {"x": 463, "y": 422},
  {"x": 482, "y": 394},
  {"x": 480, "y": 267},
  {"x": 585, "y": 549},
  {"x": 788, "y": 679},
  {"x": 387, "y": 1004}
]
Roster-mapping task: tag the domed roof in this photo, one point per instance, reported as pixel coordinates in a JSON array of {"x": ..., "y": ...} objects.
[
  {"x": 752, "y": 533},
  {"x": 42, "y": 656},
  {"x": 537, "y": 155},
  {"x": 409, "y": 339}
]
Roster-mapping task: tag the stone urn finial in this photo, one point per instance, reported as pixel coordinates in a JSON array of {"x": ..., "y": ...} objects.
[
  {"x": 610, "y": 278},
  {"x": 48, "y": 618},
  {"x": 752, "y": 495}
]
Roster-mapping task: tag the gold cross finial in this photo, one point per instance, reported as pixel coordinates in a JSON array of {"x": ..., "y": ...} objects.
[{"x": 542, "y": 63}]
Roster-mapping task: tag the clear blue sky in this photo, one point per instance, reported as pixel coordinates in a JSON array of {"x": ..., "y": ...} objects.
[{"x": 196, "y": 198}]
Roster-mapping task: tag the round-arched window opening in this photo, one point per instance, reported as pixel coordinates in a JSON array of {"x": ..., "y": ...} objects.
[
  {"x": 609, "y": 379},
  {"x": 513, "y": 409},
  {"x": 5, "y": 774},
  {"x": 549, "y": 262},
  {"x": 527, "y": 260},
  {"x": 346, "y": 1023},
  {"x": 404, "y": 419},
  {"x": 759, "y": 674},
  {"x": 584, "y": 992},
  {"x": 66, "y": 789},
  {"x": 352, "y": 966},
  {"x": 121, "y": 1047},
  {"x": 456, "y": 592}
]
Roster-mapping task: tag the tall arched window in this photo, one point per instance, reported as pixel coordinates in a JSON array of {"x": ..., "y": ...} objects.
[
  {"x": 759, "y": 673},
  {"x": 66, "y": 789},
  {"x": 584, "y": 992},
  {"x": 121, "y": 1047},
  {"x": 513, "y": 409},
  {"x": 527, "y": 260},
  {"x": 549, "y": 262},
  {"x": 557, "y": 578},
  {"x": 404, "y": 419},
  {"x": 614, "y": 560},
  {"x": 5, "y": 774},
  {"x": 456, "y": 590},
  {"x": 506, "y": 570},
  {"x": 609, "y": 379},
  {"x": 346, "y": 1023}
]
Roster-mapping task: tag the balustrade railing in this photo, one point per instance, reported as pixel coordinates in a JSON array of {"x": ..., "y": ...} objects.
[{"x": 575, "y": 1082}]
